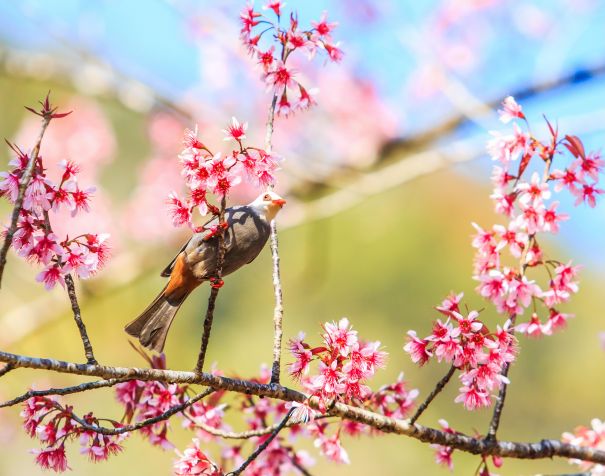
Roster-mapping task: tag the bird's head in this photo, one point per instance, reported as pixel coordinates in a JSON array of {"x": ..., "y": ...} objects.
[{"x": 268, "y": 204}]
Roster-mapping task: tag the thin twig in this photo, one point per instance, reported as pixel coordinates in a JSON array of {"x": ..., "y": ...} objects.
[
  {"x": 149, "y": 421},
  {"x": 499, "y": 407},
  {"x": 24, "y": 182},
  {"x": 300, "y": 467},
  {"x": 62, "y": 391},
  {"x": 440, "y": 385},
  {"x": 244, "y": 435},
  {"x": 262, "y": 447},
  {"x": 507, "y": 449},
  {"x": 6, "y": 369},
  {"x": 75, "y": 307},
  {"x": 214, "y": 289},
  {"x": 278, "y": 311}
]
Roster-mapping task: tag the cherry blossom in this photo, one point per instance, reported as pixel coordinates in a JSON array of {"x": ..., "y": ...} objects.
[
  {"x": 281, "y": 80},
  {"x": 44, "y": 200},
  {"x": 208, "y": 174},
  {"x": 510, "y": 110}
]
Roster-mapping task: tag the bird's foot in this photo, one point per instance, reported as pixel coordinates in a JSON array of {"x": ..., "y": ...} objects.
[
  {"x": 216, "y": 283},
  {"x": 215, "y": 230}
]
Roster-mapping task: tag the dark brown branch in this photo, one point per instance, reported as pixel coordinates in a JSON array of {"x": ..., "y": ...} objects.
[
  {"x": 24, "y": 182},
  {"x": 213, "y": 290},
  {"x": 143, "y": 423},
  {"x": 507, "y": 449},
  {"x": 440, "y": 385},
  {"x": 62, "y": 391},
  {"x": 262, "y": 447},
  {"x": 75, "y": 307}
]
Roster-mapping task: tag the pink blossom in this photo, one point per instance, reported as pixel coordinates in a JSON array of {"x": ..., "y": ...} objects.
[
  {"x": 323, "y": 27},
  {"x": 534, "y": 191},
  {"x": 340, "y": 336},
  {"x": 193, "y": 462},
  {"x": 180, "y": 212},
  {"x": 52, "y": 458},
  {"x": 510, "y": 110},
  {"x": 590, "y": 166},
  {"x": 303, "y": 357},
  {"x": 280, "y": 76},
  {"x": 302, "y": 413},
  {"x": 332, "y": 449},
  {"x": 235, "y": 130},
  {"x": 552, "y": 218},
  {"x": 473, "y": 398},
  {"x": 587, "y": 194},
  {"x": 417, "y": 348},
  {"x": 51, "y": 276},
  {"x": 9, "y": 185},
  {"x": 534, "y": 328},
  {"x": 275, "y": 5},
  {"x": 334, "y": 51},
  {"x": 568, "y": 178},
  {"x": 450, "y": 303}
]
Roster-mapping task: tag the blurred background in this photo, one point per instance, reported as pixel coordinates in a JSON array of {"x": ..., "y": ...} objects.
[{"x": 383, "y": 179}]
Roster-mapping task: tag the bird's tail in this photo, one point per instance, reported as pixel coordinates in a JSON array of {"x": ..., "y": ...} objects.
[{"x": 151, "y": 327}]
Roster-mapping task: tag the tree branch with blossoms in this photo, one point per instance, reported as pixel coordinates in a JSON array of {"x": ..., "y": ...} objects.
[{"x": 335, "y": 373}]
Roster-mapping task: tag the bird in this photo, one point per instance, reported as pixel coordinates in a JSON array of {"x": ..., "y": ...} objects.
[{"x": 247, "y": 229}]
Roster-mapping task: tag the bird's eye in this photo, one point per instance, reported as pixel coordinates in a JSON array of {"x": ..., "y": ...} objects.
[{"x": 267, "y": 197}]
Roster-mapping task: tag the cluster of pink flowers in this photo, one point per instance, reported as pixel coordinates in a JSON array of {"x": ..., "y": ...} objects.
[
  {"x": 207, "y": 173},
  {"x": 52, "y": 424},
  {"x": 280, "y": 79},
  {"x": 345, "y": 363},
  {"x": 34, "y": 239},
  {"x": 593, "y": 437},
  {"x": 466, "y": 343},
  {"x": 526, "y": 205}
]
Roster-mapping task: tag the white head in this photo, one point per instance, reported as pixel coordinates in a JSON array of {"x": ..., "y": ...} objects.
[{"x": 268, "y": 204}]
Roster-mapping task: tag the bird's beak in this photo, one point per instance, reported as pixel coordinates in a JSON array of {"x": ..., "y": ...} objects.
[{"x": 280, "y": 202}]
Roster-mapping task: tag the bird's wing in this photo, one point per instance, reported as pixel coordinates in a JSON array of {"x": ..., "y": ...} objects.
[{"x": 168, "y": 269}]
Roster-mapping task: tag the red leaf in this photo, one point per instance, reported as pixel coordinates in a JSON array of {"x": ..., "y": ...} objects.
[
  {"x": 575, "y": 146},
  {"x": 553, "y": 132},
  {"x": 34, "y": 111},
  {"x": 525, "y": 162},
  {"x": 59, "y": 115}
]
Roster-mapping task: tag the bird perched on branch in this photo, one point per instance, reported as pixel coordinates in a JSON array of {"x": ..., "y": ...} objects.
[{"x": 247, "y": 229}]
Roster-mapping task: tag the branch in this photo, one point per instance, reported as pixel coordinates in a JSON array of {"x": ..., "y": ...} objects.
[
  {"x": 244, "y": 435},
  {"x": 6, "y": 369},
  {"x": 75, "y": 307},
  {"x": 149, "y": 421},
  {"x": 278, "y": 310},
  {"x": 62, "y": 391},
  {"x": 507, "y": 449},
  {"x": 25, "y": 179},
  {"x": 262, "y": 447},
  {"x": 214, "y": 289},
  {"x": 440, "y": 386}
]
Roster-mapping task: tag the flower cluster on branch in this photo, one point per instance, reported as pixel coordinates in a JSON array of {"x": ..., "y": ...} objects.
[{"x": 42, "y": 196}]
